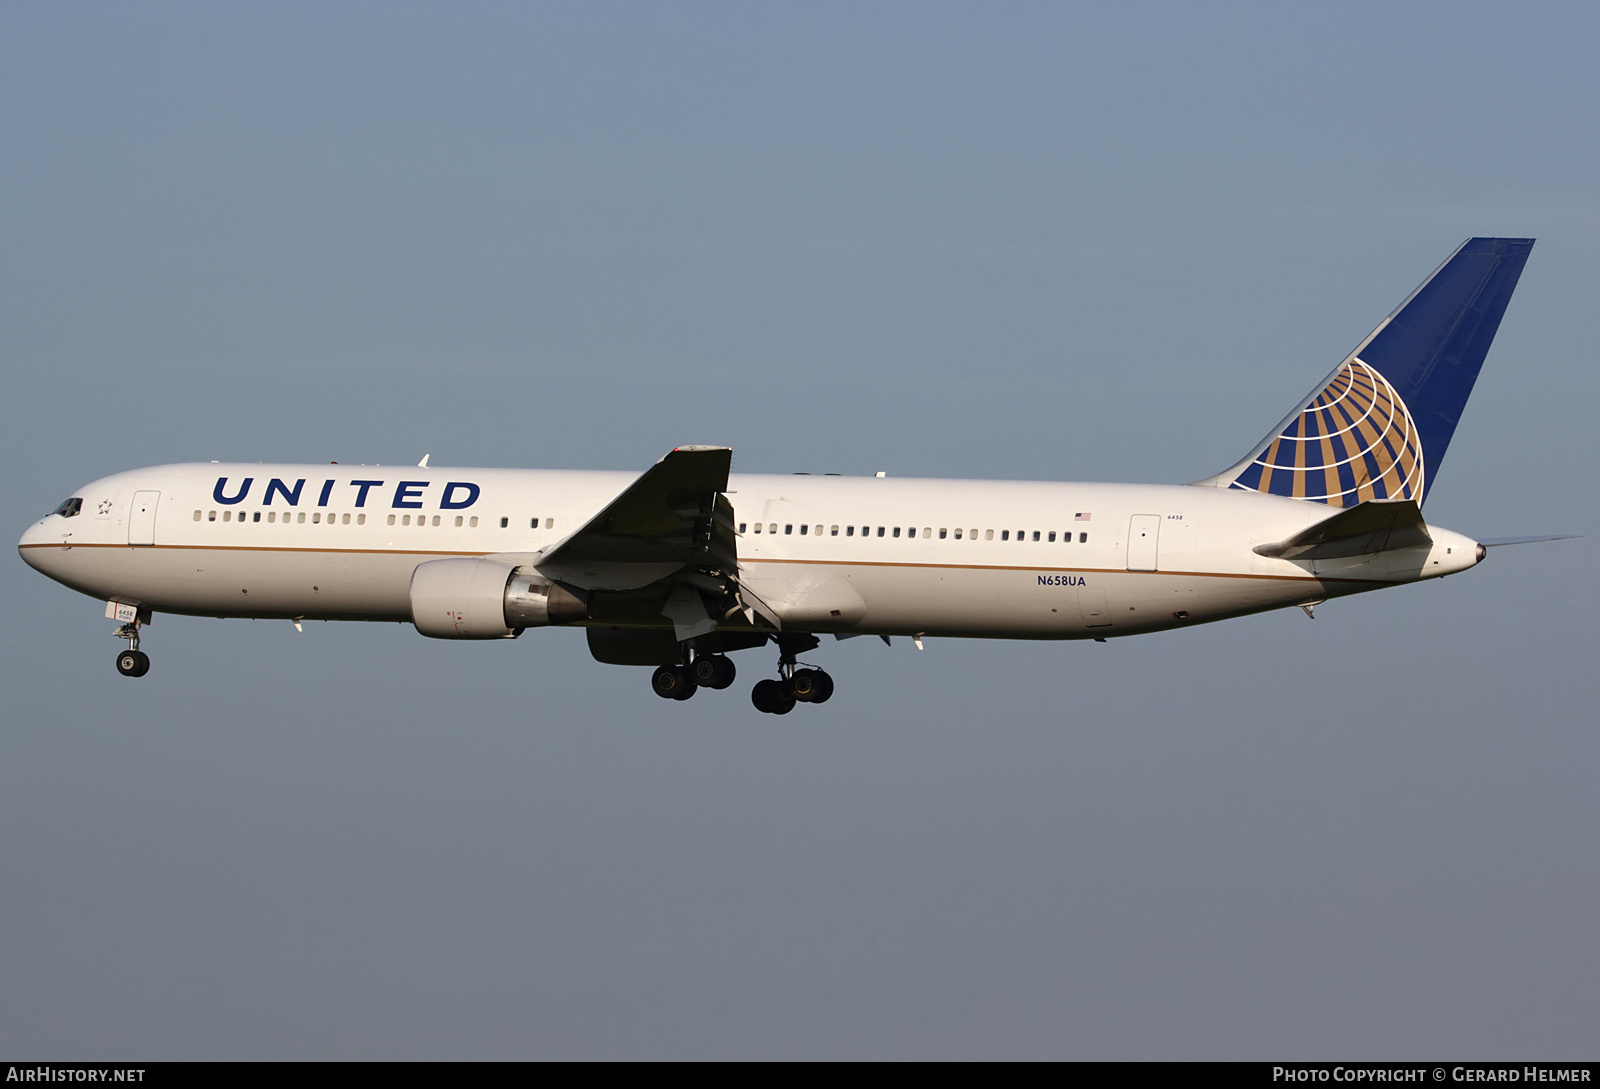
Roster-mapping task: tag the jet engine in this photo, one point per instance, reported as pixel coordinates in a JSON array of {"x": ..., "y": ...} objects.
[{"x": 482, "y": 598}]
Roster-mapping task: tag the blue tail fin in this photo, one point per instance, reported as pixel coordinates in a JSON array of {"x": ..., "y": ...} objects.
[{"x": 1378, "y": 426}]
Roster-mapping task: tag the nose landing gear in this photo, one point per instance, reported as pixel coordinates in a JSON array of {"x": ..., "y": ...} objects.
[{"x": 132, "y": 662}]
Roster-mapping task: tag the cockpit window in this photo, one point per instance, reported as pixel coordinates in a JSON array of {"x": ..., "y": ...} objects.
[{"x": 70, "y": 508}]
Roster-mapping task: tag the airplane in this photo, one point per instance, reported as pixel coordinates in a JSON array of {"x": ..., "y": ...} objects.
[{"x": 687, "y": 563}]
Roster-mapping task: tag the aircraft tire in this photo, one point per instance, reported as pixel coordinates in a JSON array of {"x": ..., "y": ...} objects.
[
  {"x": 806, "y": 684},
  {"x": 713, "y": 671},
  {"x": 770, "y": 698},
  {"x": 824, "y": 688},
  {"x": 128, "y": 663},
  {"x": 672, "y": 683}
]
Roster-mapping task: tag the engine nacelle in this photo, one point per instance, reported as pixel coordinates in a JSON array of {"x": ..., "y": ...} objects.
[
  {"x": 482, "y": 598},
  {"x": 533, "y": 601}
]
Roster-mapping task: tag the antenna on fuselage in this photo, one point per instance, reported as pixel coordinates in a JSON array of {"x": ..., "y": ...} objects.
[{"x": 423, "y": 464}]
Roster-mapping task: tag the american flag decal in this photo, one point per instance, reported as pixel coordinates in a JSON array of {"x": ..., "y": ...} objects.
[{"x": 1081, "y": 517}]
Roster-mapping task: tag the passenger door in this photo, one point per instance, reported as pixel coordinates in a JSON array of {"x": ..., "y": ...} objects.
[
  {"x": 1143, "y": 532},
  {"x": 142, "y": 518}
]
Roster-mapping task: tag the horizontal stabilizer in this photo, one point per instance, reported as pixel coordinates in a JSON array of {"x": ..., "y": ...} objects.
[
  {"x": 1374, "y": 526},
  {"x": 1496, "y": 542}
]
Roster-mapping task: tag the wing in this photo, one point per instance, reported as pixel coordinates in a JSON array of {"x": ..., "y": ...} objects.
[{"x": 671, "y": 531}]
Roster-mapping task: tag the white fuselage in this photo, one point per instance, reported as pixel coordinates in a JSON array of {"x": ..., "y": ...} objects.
[{"x": 1001, "y": 559}]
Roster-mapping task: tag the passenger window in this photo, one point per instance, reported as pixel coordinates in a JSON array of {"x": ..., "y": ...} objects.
[
  {"x": 972, "y": 533},
  {"x": 742, "y": 525},
  {"x": 549, "y": 523},
  {"x": 196, "y": 516},
  {"x": 316, "y": 516},
  {"x": 212, "y": 517},
  {"x": 227, "y": 516},
  {"x": 472, "y": 523},
  {"x": 435, "y": 519},
  {"x": 880, "y": 531},
  {"x": 958, "y": 533},
  {"x": 1083, "y": 538},
  {"x": 943, "y": 531},
  {"x": 758, "y": 527},
  {"x": 405, "y": 520},
  {"x": 1005, "y": 535},
  {"x": 788, "y": 527},
  {"x": 1052, "y": 534},
  {"x": 531, "y": 525},
  {"x": 391, "y": 519},
  {"x": 272, "y": 516},
  {"x": 833, "y": 531},
  {"x": 1036, "y": 535},
  {"x": 803, "y": 530},
  {"x": 897, "y": 531},
  {"x": 361, "y": 519},
  {"x": 988, "y": 534},
  {"x": 927, "y": 532},
  {"x": 772, "y": 527},
  {"x": 301, "y": 519},
  {"x": 504, "y": 522},
  {"x": 460, "y": 520},
  {"x": 256, "y": 517}
]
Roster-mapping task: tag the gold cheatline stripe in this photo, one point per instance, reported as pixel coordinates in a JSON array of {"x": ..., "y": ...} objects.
[
  {"x": 1040, "y": 567},
  {"x": 817, "y": 563}
]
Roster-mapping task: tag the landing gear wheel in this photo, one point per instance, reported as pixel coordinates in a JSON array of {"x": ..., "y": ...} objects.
[
  {"x": 133, "y": 663},
  {"x": 672, "y": 683},
  {"x": 811, "y": 686},
  {"x": 713, "y": 671},
  {"x": 771, "y": 698}
]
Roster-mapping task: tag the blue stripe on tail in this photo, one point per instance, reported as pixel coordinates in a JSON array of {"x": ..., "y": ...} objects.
[
  {"x": 1433, "y": 347},
  {"x": 1379, "y": 425}
]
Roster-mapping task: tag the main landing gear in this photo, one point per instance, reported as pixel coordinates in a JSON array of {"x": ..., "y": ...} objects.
[
  {"x": 778, "y": 697},
  {"x": 132, "y": 662},
  {"x": 773, "y": 696},
  {"x": 679, "y": 682},
  {"x": 806, "y": 685}
]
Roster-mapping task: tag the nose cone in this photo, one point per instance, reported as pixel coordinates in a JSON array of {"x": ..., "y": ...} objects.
[
  {"x": 33, "y": 537},
  {"x": 41, "y": 546}
]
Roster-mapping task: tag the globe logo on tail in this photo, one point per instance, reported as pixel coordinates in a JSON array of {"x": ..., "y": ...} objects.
[{"x": 1354, "y": 442}]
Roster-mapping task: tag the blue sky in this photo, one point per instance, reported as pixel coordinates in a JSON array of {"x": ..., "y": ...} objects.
[{"x": 1037, "y": 241}]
